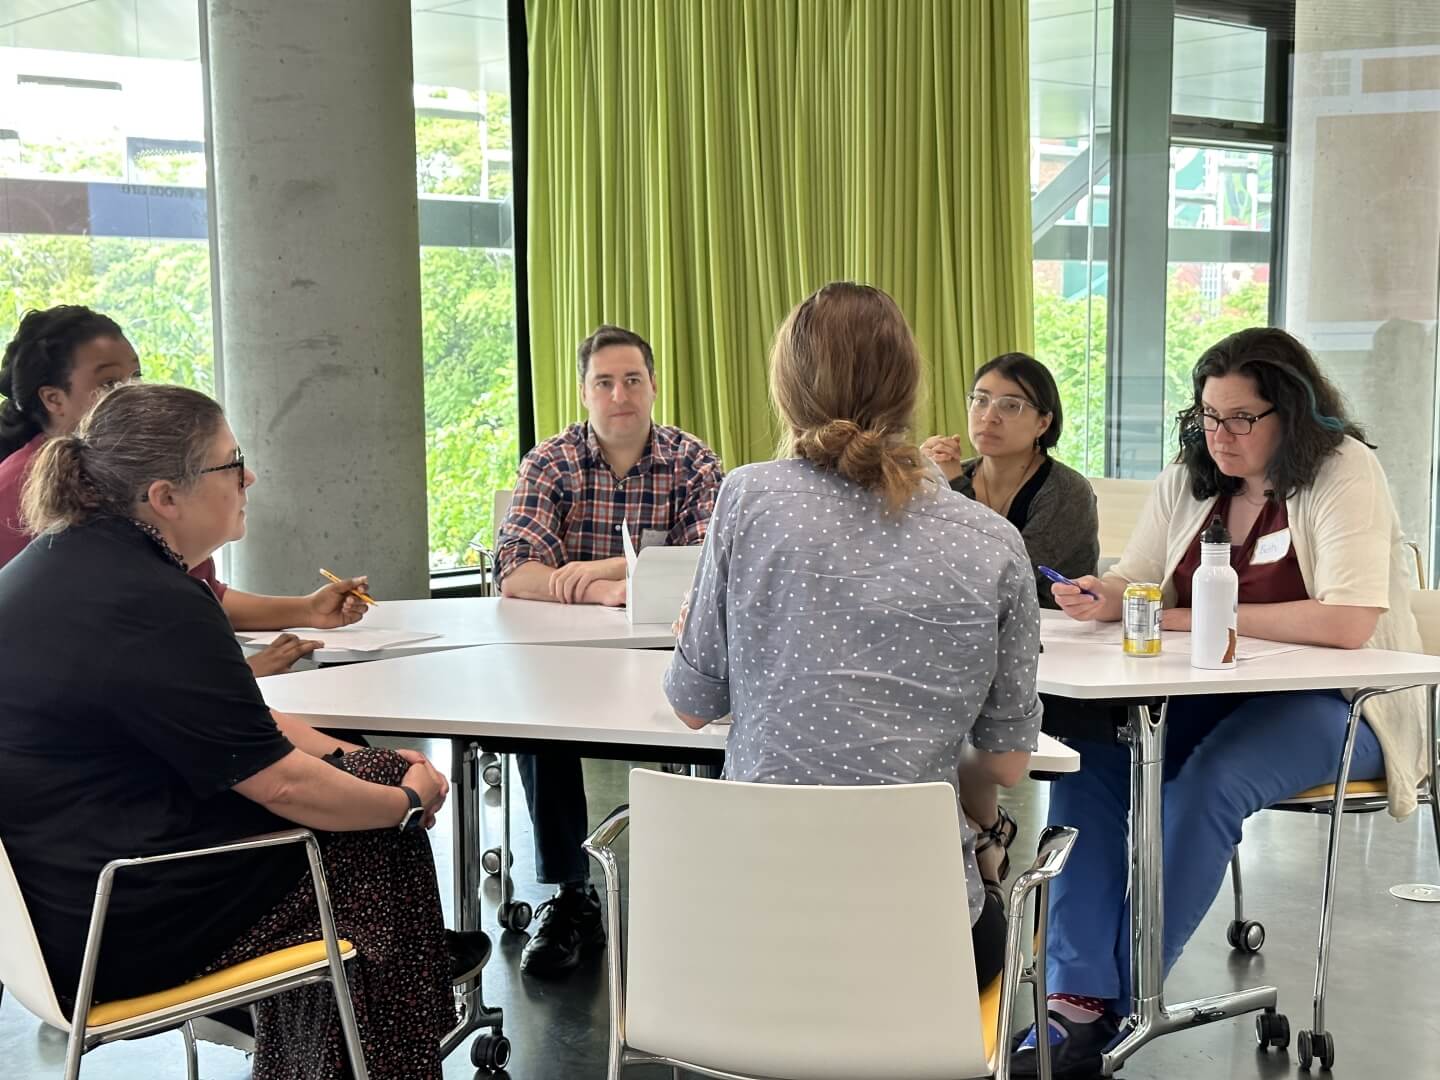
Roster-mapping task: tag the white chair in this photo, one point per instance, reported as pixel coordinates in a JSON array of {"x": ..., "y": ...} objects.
[
  {"x": 750, "y": 948},
  {"x": 25, "y": 975},
  {"x": 1361, "y": 797},
  {"x": 486, "y": 552},
  {"x": 1118, "y": 503}
]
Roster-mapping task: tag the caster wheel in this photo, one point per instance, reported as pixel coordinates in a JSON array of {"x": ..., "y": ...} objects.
[
  {"x": 1272, "y": 1029},
  {"x": 516, "y": 916},
  {"x": 674, "y": 770},
  {"x": 1246, "y": 937},
  {"x": 490, "y": 1052},
  {"x": 1311, "y": 1046},
  {"x": 492, "y": 774},
  {"x": 490, "y": 861}
]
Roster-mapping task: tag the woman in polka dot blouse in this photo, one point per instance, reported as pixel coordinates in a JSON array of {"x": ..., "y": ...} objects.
[{"x": 861, "y": 622}]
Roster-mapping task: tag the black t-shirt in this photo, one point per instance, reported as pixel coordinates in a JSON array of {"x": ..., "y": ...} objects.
[{"x": 127, "y": 712}]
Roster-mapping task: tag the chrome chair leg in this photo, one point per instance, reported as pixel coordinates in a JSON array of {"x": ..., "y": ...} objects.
[
  {"x": 192, "y": 1055},
  {"x": 1238, "y": 885}
]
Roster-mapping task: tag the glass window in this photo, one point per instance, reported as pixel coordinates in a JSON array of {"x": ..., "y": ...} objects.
[
  {"x": 1220, "y": 247},
  {"x": 102, "y": 177},
  {"x": 1218, "y": 71},
  {"x": 1070, "y": 199},
  {"x": 467, "y": 270}
]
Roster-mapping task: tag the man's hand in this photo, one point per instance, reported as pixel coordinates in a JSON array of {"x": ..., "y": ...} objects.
[
  {"x": 609, "y": 593},
  {"x": 569, "y": 584},
  {"x": 336, "y": 604},
  {"x": 280, "y": 655}
]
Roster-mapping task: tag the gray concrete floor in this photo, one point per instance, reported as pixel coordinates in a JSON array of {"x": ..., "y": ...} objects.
[{"x": 1385, "y": 973}]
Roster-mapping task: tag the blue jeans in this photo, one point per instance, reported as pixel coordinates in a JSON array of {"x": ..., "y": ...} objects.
[{"x": 1226, "y": 757}]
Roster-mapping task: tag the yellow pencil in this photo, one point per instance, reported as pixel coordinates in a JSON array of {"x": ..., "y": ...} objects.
[{"x": 353, "y": 592}]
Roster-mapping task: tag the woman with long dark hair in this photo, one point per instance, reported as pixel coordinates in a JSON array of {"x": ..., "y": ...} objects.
[{"x": 1265, "y": 445}]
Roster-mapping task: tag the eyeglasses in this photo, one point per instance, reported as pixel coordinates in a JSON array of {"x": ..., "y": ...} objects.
[
  {"x": 238, "y": 463},
  {"x": 1007, "y": 405},
  {"x": 1235, "y": 425}
]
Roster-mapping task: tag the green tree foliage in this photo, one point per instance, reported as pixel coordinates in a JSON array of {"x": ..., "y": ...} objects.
[
  {"x": 158, "y": 291},
  {"x": 1192, "y": 324}
]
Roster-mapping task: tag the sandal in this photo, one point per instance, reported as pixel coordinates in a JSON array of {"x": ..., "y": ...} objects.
[{"x": 1003, "y": 833}]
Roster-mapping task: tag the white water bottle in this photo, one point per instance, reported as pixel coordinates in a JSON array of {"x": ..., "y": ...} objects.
[{"x": 1214, "y": 601}]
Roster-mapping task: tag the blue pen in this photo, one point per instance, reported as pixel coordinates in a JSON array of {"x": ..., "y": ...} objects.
[{"x": 1055, "y": 575}]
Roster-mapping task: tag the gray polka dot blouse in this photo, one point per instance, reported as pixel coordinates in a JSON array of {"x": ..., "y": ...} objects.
[{"x": 853, "y": 647}]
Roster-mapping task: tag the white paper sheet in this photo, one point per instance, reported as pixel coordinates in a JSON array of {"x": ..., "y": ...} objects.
[{"x": 351, "y": 638}]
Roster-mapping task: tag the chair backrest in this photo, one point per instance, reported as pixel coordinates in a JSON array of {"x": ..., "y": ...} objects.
[
  {"x": 22, "y": 964},
  {"x": 1425, "y": 604},
  {"x": 1118, "y": 503},
  {"x": 800, "y": 932},
  {"x": 502, "y": 507}
]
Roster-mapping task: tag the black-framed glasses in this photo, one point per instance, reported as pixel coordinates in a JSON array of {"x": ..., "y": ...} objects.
[
  {"x": 238, "y": 463},
  {"x": 1007, "y": 405},
  {"x": 1235, "y": 425}
]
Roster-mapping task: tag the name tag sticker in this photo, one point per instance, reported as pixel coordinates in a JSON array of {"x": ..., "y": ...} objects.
[
  {"x": 652, "y": 538},
  {"x": 1271, "y": 548}
]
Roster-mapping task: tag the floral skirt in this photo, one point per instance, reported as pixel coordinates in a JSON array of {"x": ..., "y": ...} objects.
[{"x": 387, "y": 903}]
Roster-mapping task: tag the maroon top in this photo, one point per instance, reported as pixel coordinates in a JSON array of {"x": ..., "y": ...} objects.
[
  {"x": 1276, "y": 579},
  {"x": 14, "y": 538}
]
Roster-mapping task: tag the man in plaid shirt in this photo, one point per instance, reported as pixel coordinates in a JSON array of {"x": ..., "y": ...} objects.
[{"x": 561, "y": 542}]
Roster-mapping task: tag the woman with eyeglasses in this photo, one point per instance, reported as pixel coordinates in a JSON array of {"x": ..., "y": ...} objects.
[
  {"x": 58, "y": 362},
  {"x": 130, "y": 726},
  {"x": 1015, "y": 420},
  {"x": 1265, "y": 446}
]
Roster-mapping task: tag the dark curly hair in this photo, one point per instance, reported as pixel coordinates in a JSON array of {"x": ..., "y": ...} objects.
[
  {"x": 1307, "y": 405},
  {"x": 42, "y": 353}
]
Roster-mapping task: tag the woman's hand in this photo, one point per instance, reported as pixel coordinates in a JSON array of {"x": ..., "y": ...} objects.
[
  {"x": 1175, "y": 618},
  {"x": 336, "y": 604},
  {"x": 280, "y": 655},
  {"x": 678, "y": 626},
  {"x": 1075, "y": 603},
  {"x": 425, "y": 780},
  {"x": 945, "y": 451}
]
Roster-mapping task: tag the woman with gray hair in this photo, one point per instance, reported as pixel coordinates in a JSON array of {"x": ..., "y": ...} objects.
[{"x": 130, "y": 725}]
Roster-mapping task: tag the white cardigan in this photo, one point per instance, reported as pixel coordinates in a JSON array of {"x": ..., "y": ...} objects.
[{"x": 1348, "y": 543}]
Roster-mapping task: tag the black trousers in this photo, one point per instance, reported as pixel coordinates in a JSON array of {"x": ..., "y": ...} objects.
[
  {"x": 555, "y": 793},
  {"x": 987, "y": 937}
]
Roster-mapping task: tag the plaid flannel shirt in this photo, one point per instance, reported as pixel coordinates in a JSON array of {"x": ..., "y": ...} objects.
[{"x": 569, "y": 506}]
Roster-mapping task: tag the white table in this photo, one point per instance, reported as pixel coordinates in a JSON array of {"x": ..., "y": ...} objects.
[
  {"x": 1071, "y": 667},
  {"x": 517, "y": 694},
  {"x": 469, "y": 621}
]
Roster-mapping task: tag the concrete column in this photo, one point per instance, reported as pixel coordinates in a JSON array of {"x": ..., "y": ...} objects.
[
  {"x": 318, "y": 283},
  {"x": 1363, "y": 267}
]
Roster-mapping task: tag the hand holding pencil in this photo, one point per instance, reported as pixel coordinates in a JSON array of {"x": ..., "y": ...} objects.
[{"x": 340, "y": 603}]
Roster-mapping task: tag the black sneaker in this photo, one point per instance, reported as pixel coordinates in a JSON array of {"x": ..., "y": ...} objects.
[
  {"x": 469, "y": 950},
  {"x": 570, "y": 925},
  {"x": 1076, "y": 1055}
]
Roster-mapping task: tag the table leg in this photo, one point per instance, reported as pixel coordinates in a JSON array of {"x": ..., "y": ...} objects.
[
  {"x": 465, "y": 869},
  {"x": 1149, "y": 1016}
]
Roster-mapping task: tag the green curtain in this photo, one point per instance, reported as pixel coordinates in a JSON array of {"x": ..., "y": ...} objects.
[{"x": 697, "y": 167}]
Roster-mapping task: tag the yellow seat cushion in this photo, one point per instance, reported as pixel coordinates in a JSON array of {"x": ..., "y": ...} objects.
[
  {"x": 1325, "y": 792},
  {"x": 268, "y": 966},
  {"x": 990, "y": 1015}
]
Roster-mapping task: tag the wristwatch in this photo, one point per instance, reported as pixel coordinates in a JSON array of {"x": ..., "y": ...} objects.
[{"x": 415, "y": 813}]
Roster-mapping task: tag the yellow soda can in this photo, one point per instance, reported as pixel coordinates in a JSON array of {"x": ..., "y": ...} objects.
[{"x": 1140, "y": 613}]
